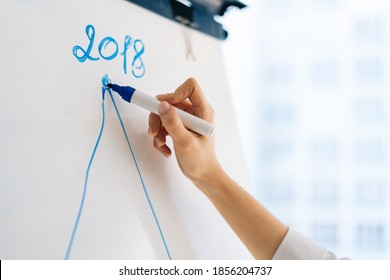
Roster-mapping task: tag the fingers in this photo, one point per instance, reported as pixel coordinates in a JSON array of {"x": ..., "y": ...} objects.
[
  {"x": 190, "y": 89},
  {"x": 172, "y": 123},
  {"x": 164, "y": 149},
  {"x": 168, "y": 123},
  {"x": 188, "y": 97},
  {"x": 158, "y": 132},
  {"x": 154, "y": 124}
]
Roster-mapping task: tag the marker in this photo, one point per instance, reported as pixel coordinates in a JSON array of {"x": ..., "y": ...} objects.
[{"x": 150, "y": 103}]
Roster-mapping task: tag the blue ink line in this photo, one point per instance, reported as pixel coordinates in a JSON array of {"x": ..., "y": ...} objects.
[
  {"x": 104, "y": 43},
  {"x": 86, "y": 182},
  {"x": 137, "y": 65},
  {"x": 90, "y": 30},
  {"x": 126, "y": 44},
  {"x": 105, "y": 81},
  {"x": 138, "y": 57},
  {"x": 140, "y": 176}
]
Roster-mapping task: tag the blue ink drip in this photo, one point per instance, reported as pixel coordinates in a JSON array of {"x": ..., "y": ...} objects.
[
  {"x": 137, "y": 56},
  {"x": 105, "y": 81},
  {"x": 140, "y": 175},
  {"x": 103, "y": 44},
  {"x": 90, "y": 30},
  {"x": 126, "y": 46},
  {"x": 103, "y": 92},
  {"x": 86, "y": 181}
]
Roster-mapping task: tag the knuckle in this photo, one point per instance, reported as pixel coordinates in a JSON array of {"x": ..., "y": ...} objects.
[
  {"x": 154, "y": 120},
  {"x": 155, "y": 145},
  {"x": 191, "y": 81},
  {"x": 188, "y": 145},
  {"x": 179, "y": 95},
  {"x": 211, "y": 114},
  {"x": 173, "y": 123}
]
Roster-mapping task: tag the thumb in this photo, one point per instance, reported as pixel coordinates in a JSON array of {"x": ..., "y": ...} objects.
[{"x": 173, "y": 125}]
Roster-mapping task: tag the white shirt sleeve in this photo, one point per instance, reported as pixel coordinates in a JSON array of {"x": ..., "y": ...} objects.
[{"x": 296, "y": 246}]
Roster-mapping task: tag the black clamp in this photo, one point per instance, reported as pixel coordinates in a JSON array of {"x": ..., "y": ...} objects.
[{"x": 197, "y": 14}]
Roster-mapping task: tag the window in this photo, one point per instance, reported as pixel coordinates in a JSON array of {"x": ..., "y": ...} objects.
[
  {"x": 326, "y": 234},
  {"x": 370, "y": 30},
  {"x": 325, "y": 73},
  {"x": 370, "y": 237},
  {"x": 278, "y": 112},
  {"x": 325, "y": 193},
  {"x": 320, "y": 81},
  {"x": 370, "y": 193},
  {"x": 324, "y": 150},
  {"x": 369, "y": 70},
  {"x": 370, "y": 152},
  {"x": 370, "y": 110}
]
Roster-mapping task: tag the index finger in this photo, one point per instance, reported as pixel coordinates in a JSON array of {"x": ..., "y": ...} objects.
[{"x": 190, "y": 89}]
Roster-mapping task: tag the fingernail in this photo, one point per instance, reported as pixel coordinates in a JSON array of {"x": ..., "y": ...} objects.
[
  {"x": 160, "y": 96},
  {"x": 163, "y": 107},
  {"x": 150, "y": 131},
  {"x": 159, "y": 142},
  {"x": 166, "y": 154}
]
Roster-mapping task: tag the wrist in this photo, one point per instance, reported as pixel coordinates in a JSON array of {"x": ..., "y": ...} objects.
[{"x": 212, "y": 182}]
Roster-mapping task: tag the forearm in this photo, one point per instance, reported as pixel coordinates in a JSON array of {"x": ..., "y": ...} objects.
[
  {"x": 257, "y": 228},
  {"x": 261, "y": 232}
]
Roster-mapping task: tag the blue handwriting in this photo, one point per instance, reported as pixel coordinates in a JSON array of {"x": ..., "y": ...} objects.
[{"x": 137, "y": 65}]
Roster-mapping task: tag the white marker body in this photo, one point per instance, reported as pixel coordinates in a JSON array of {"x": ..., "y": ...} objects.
[{"x": 191, "y": 122}]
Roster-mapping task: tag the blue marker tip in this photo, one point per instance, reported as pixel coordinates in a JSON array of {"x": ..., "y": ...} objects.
[
  {"x": 125, "y": 92},
  {"x": 105, "y": 81}
]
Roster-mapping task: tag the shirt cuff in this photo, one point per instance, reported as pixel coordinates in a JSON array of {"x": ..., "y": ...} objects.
[{"x": 296, "y": 246}]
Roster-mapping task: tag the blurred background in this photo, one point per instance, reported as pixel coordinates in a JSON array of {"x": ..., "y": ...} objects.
[{"x": 310, "y": 82}]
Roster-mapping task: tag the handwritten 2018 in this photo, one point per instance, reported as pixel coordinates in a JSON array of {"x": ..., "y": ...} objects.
[{"x": 137, "y": 65}]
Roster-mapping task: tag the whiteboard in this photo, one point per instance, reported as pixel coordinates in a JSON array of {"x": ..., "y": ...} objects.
[{"x": 50, "y": 119}]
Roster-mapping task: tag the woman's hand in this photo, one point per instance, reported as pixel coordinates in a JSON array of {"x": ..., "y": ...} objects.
[
  {"x": 258, "y": 229},
  {"x": 195, "y": 153}
]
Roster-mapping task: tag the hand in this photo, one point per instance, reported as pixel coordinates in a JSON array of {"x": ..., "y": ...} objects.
[
  {"x": 261, "y": 232},
  {"x": 195, "y": 153}
]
